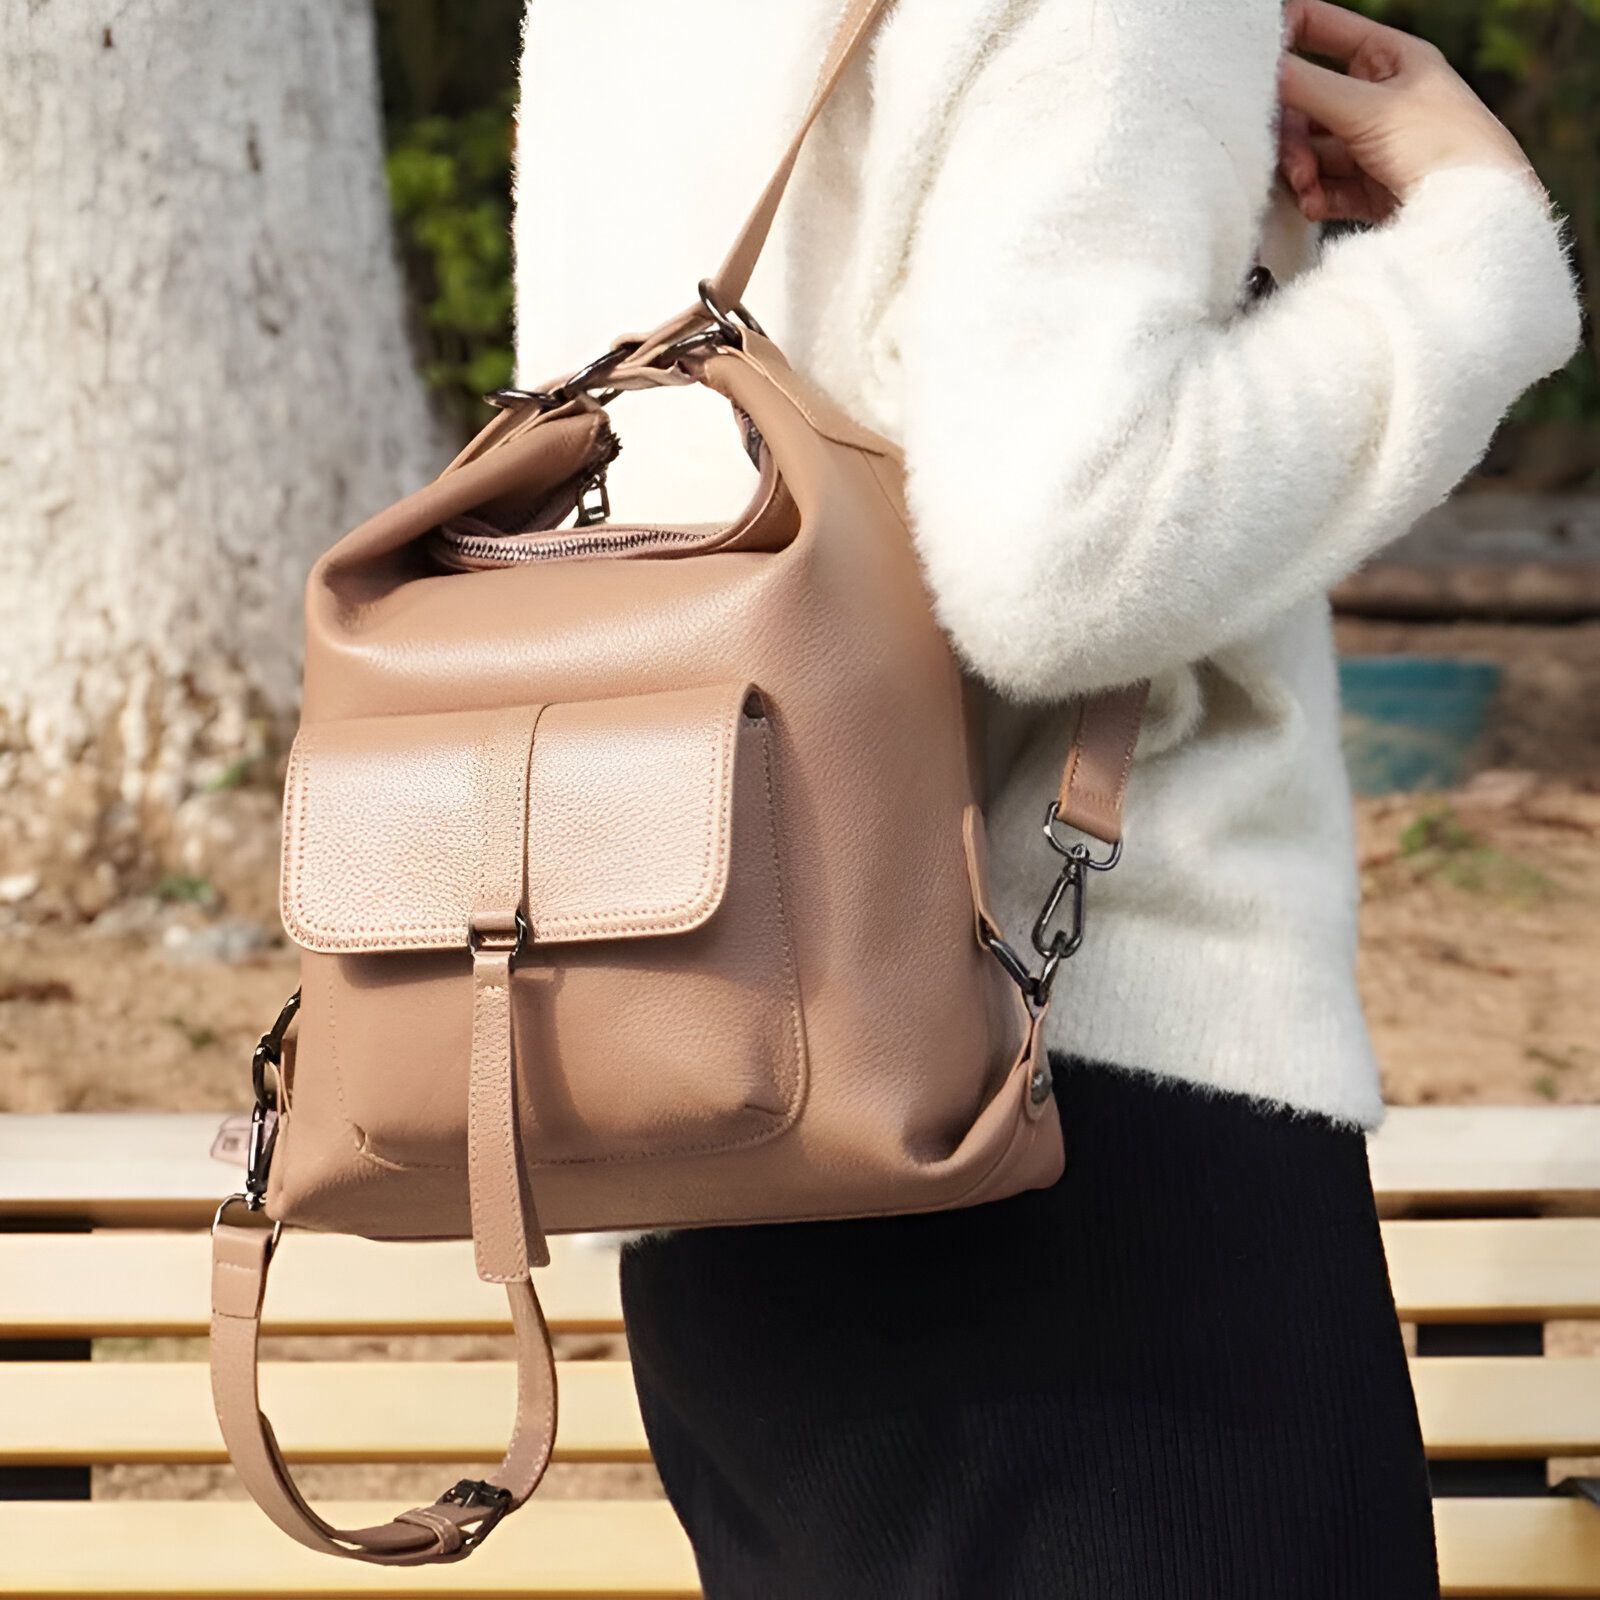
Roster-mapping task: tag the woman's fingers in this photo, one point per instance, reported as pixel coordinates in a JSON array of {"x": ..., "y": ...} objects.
[
  {"x": 1330, "y": 30},
  {"x": 1328, "y": 183},
  {"x": 1352, "y": 199},
  {"x": 1342, "y": 104},
  {"x": 1297, "y": 158},
  {"x": 1355, "y": 199},
  {"x": 1333, "y": 156},
  {"x": 1305, "y": 153},
  {"x": 1397, "y": 113}
]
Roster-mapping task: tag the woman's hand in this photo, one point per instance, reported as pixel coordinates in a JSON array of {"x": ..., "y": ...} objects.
[{"x": 1353, "y": 144}]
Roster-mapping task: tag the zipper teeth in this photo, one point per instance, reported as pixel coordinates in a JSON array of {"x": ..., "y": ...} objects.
[{"x": 478, "y": 547}]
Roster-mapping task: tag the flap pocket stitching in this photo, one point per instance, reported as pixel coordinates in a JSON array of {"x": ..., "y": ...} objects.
[
  {"x": 384, "y": 823},
  {"x": 349, "y": 937},
  {"x": 693, "y": 910}
]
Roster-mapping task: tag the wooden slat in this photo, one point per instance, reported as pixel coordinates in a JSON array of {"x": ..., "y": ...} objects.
[
  {"x": 549, "y": 1549},
  {"x": 573, "y": 1548},
  {"x": 155, "y": 1170},
  {"x": 1508, "y": 1406},
  {"x": 103, "y": 1412},
  {"x": 123, "y": 1168},
  {"x": 1530, "y": 1270},
  {"x": 1516, "y": 554},
  {"x": 1463, "y": 1157},
  {"x": 1457, "y": 1157},
  {"x": 123, "y": 1283},
  {"x": 1534, "y": 1547}
]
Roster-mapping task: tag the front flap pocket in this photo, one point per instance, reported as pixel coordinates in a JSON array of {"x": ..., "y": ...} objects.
[
  {"x": 655, "y": 1006},
  {"x": 396, "y": 828}
]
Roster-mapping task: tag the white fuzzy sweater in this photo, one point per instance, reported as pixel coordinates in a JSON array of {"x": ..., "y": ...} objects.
[{"x": 1017, "y": 245}]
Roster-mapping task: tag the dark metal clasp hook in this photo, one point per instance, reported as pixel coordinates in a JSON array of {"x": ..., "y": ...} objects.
[
  {"x": 265, "y": 1061},
  {"x": 1067, "y": 891}
]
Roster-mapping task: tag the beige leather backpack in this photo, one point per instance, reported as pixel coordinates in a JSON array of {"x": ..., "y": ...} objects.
[{"x": 638, "y": 873}]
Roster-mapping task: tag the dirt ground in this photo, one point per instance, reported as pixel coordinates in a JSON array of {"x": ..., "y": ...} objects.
[
  {"x": 1480, "y": 942},
  {"x": 1480, "y": 922}
]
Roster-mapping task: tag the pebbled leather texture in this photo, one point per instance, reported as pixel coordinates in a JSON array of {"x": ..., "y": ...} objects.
[
  {"x": 506, "y": 1236},
  {"x": 395, "y": 827},
  {"x": 639, "y": 883}
]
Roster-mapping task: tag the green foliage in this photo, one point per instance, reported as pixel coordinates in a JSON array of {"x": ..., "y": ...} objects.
[
  {"x": 450, "y": 181},
  {"x": 1438, "y": 844},
  {"x": 449, "y": 85},
  {"x": 184, "y": 888},
  {"x": 233, "y": 776}
]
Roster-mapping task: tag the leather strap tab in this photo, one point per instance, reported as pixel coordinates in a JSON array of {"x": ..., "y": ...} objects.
[
  {"x": 243, "y": 1243},
  {"x": 507, "y": 1238},
  {"x": 1095, "y": 778}
]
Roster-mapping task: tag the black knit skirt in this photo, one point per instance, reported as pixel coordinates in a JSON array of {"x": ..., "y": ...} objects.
[{"x": 1177, "y": 1375}]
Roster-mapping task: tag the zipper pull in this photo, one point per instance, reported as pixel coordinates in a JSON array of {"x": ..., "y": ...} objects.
[{"x": 594, "y": 502}]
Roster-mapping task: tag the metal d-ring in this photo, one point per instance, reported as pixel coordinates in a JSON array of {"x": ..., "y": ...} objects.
[
  {"x": 724, "y": 330},
  {"x": 1076, "y": 850},
  {"x": 588, "y": 377},
  {"x": 508, "y": 399},
  {"x": 723, "y": 317},
  {"x": 269, "y": 1052},
  {"x": 584, "y": 379}
]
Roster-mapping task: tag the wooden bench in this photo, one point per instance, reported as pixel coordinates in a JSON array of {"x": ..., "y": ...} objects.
[{"x": 1493, "y": 1230}]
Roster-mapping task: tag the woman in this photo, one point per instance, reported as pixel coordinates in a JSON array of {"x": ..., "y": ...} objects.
[{"x": 1019, "y": 244}]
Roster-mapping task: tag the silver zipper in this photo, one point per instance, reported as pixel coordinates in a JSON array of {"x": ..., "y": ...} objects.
[{"x": 509, "y": 550}]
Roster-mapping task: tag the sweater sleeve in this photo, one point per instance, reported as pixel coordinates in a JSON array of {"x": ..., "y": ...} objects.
[{"x": 1115, "y": 469}]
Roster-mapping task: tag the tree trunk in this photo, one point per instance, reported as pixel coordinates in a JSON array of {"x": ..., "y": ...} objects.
[{"x": 206, "y": 378}]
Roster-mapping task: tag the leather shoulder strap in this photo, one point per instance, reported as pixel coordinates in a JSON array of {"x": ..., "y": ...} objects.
[
  {"x": 1095, "y": 776},
  {"x": 733, "y": 276}
]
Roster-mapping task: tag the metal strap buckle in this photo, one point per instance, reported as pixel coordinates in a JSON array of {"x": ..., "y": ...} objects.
[
  {"x": 1054, "y": 943},
  {"x": 479, "y": 1492}
]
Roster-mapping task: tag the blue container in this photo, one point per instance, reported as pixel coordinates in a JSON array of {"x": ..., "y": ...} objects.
[{"x": 1411, "y": 722}]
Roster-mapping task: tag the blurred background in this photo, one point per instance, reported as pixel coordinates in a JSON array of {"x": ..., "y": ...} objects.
[{"x": 255, "y": 275}]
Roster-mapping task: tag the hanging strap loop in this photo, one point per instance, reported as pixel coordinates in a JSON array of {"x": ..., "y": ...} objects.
[{"x": 244, "y": 1242}]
